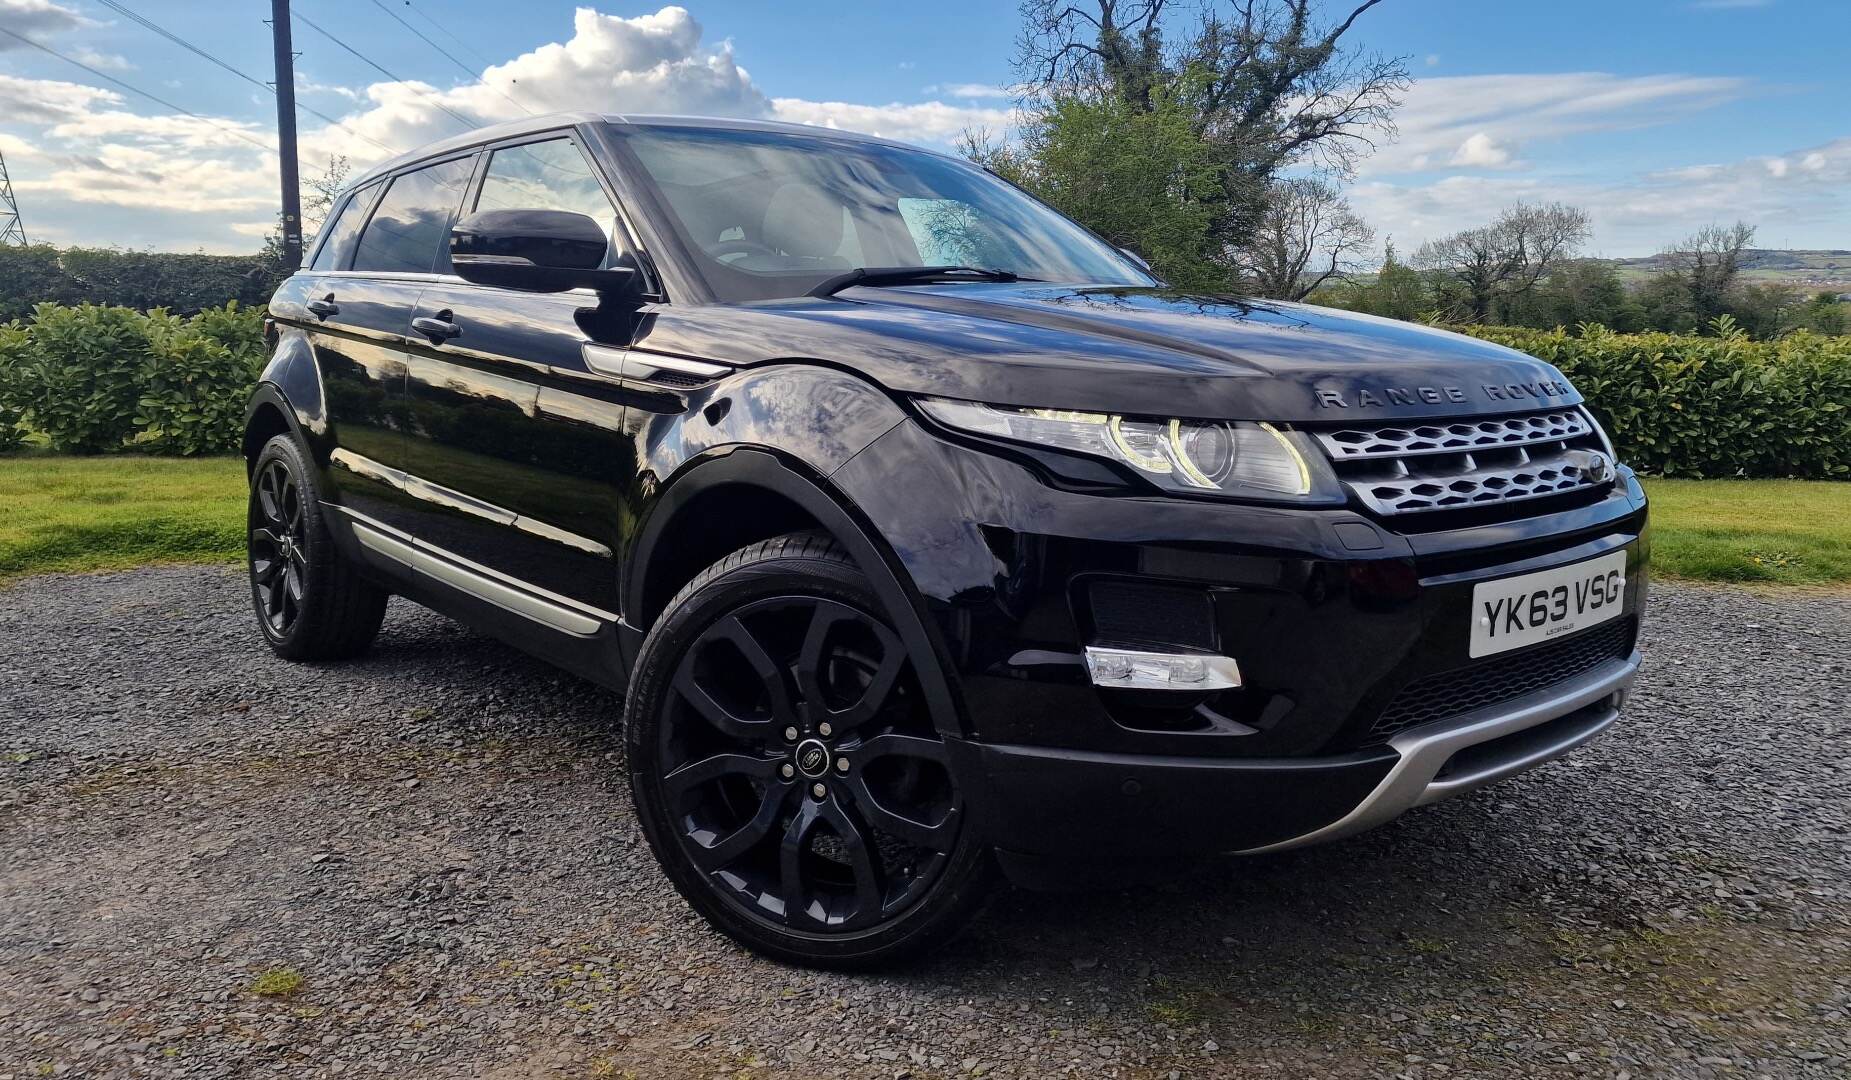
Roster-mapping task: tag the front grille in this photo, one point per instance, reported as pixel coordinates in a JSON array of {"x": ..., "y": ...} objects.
[
  {"x": 1503, "y": 678},
  {"x": 1461, "y": 464}
]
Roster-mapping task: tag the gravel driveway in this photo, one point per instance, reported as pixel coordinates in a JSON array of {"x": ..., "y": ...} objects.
[{"x": 438, "y": 841}]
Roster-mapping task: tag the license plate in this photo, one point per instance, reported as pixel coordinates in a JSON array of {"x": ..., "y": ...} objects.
[{"x": 1517, "y": 611}]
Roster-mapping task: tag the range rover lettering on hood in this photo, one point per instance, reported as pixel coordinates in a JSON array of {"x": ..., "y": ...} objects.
[{"x": 1546, "y": 392}]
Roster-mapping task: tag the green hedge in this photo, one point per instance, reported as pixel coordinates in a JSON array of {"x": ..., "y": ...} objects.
[
  {"x": 185, "y": 282},
  {"x": 1680, "y": 405},
  {"x": 94, "y": 379},
  {"x": 91, "y": 379}
]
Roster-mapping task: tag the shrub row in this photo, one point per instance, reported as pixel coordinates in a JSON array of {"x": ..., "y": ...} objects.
[
  {"x": 1680, "y": 405},
  {"x": 185, "y": 282},
  {"x": 93, "y": 378}
]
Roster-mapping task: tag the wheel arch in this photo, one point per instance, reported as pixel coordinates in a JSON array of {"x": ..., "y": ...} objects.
[
  {"x": 766, "y": 494},
  {"x": 267, "y": 418}
]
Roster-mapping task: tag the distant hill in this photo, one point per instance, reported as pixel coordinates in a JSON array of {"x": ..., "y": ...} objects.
[{"x": 1803, "y": 269}]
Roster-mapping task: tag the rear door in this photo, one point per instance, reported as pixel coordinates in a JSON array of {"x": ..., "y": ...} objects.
[
  {"x": 517, "y": 447},
  {"x": 381, "y": 252}
]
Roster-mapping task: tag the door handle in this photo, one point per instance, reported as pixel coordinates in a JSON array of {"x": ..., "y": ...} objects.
[
  {"x": 324, "y": 308},
  {"x": 440, "y": 328}
]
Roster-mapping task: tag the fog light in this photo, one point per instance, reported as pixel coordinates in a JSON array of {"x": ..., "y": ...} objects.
[{"x": 1135, "y": 670}]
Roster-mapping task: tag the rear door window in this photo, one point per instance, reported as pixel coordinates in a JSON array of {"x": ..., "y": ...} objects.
[
  {"x": 342, "y": 230},
  {"x": 410, "y": 231}
]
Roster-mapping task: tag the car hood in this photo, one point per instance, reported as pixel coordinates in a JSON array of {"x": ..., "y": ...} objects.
[{"x": 1127, "y": 350}]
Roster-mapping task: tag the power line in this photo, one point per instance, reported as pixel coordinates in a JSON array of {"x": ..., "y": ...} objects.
[
  {"x": 124, "y": 9},
  {"x": 376, "y": 66},
  {"x": 445, "y": 31},
  {"x": 164, "y": 103},
  {"x": 465, "y": 68}
]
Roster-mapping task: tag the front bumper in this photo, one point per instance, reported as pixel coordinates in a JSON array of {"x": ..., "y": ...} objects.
[
  {"x": 1357, "y": 697},
  {"x": 1047, "y": 802}
]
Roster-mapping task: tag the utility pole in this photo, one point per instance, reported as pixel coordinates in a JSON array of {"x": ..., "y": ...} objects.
[
  {"x": 286, "y": 134},
  {"x": 12, "y": 229}
]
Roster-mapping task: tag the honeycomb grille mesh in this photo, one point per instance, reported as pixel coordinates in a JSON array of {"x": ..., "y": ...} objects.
[
  {"x": 1479, "y": 487},
  {"x": 1503, "y": 678},
  {"x": 1472, "y": 463},
  {"x": 1349, "y": 444}
]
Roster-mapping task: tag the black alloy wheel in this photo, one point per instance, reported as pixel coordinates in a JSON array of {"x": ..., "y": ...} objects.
[
  {"x": 791, "y": 778},
  {"x": 278, "y": 547},
  {"x": 310, "y": 604}
]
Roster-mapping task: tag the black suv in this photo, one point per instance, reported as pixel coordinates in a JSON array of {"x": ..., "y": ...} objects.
[{"x": 926, "y": 533}]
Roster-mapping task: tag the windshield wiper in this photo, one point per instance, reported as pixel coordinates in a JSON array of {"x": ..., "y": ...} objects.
[{"x": 906, "y": 275}]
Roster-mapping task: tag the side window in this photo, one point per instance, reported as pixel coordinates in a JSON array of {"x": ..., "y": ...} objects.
[
  {"x": 551, "y": 175},
  {"x": 409, "y": 232},
  {"x": 342, "y": 230}
]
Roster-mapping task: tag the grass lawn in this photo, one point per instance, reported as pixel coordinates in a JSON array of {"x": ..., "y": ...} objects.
[
  {"x": 1789, "y": 532},
  {"x": 65, "y": 513},
  {"x": 98, "y": 513}
]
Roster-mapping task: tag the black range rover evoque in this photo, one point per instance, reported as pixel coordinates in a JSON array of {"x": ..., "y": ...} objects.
[{"x": 925, "y": 533}]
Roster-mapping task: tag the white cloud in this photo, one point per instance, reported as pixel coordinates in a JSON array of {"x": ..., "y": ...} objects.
[
  {"x": 1442, "y": 115},
  {"x": 103, "y": 60},
  {"x": 306, "y": 84},
  {"x": 930, "y": 122},
  {"x": 48, "y": 101},
  {"x": 1639, "y": 214},
  {"x": 170, "y": 131},
  {"x": 34, "y": 18},
  {"x": 183, "y": 180},
  {"x": 1481, "y": 151},
  {"x": 971, "y": 90},
  {"x": 646, "y": 64}
]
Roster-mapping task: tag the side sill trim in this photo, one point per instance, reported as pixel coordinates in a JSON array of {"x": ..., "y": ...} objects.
[
  {"x": 1424, "y": 751},
  {"x": 509, "y": 598}
]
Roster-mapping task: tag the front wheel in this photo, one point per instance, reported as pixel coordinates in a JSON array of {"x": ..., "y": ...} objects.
[
  {"x": 310, "y": 604},
  {"x": 786, "y": 769}
]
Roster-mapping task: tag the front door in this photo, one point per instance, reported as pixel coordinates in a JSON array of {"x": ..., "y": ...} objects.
[{"x": 516, "y": 442}]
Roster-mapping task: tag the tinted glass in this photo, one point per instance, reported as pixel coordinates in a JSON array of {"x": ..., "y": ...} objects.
[
  {"x": 769, "y": 214},
  {"x": 410, "y": 231},
  {"x": 549, "y": 175},
  {"x": 343, "y": 229}
]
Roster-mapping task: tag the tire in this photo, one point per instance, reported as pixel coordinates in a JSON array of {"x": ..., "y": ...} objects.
[
  {"x": 785, "y": 638},
  {"x": 310, "y": 604}
]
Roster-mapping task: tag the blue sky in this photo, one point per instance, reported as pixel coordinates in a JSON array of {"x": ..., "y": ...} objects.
[{"x": 1660, "y": 116}]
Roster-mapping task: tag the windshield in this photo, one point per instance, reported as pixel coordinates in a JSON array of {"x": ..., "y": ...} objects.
[{"x": 768, "y": 214}]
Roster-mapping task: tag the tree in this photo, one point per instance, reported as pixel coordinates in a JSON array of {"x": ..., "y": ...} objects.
[
  {"x": 1306, "y": 235},
  {"x": 1576, "y": 292},
  {"x": 1707, "y": 264},
  {"x": 1263, "y": 84},
  {"x": 1825, "y": 313},
  {"x": 318, "y": 197},
  {"x": 1139, "y": 178},
  {"x": 1507, "y": 257},
  {"x": 1765, "y": 311}
]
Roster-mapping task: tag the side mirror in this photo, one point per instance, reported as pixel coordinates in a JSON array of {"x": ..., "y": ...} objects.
[{"x": 535, "y": 251}]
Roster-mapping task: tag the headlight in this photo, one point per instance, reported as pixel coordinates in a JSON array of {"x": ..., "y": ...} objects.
[{"x": 1231, "y": 457}]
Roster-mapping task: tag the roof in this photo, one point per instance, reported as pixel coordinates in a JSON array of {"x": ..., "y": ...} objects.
[{"x": 551, "y": 121}]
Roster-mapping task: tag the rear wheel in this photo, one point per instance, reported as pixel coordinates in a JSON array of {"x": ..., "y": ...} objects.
[
  {"x": 786, "y": 768},
  {"x": 310, "y": 604}
]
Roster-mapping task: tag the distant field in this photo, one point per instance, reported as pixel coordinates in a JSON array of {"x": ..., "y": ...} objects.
[{"x": 1808, "y": 271}]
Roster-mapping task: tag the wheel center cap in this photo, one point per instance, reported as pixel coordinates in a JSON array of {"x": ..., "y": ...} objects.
[{"x": 812, "y": 758}]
